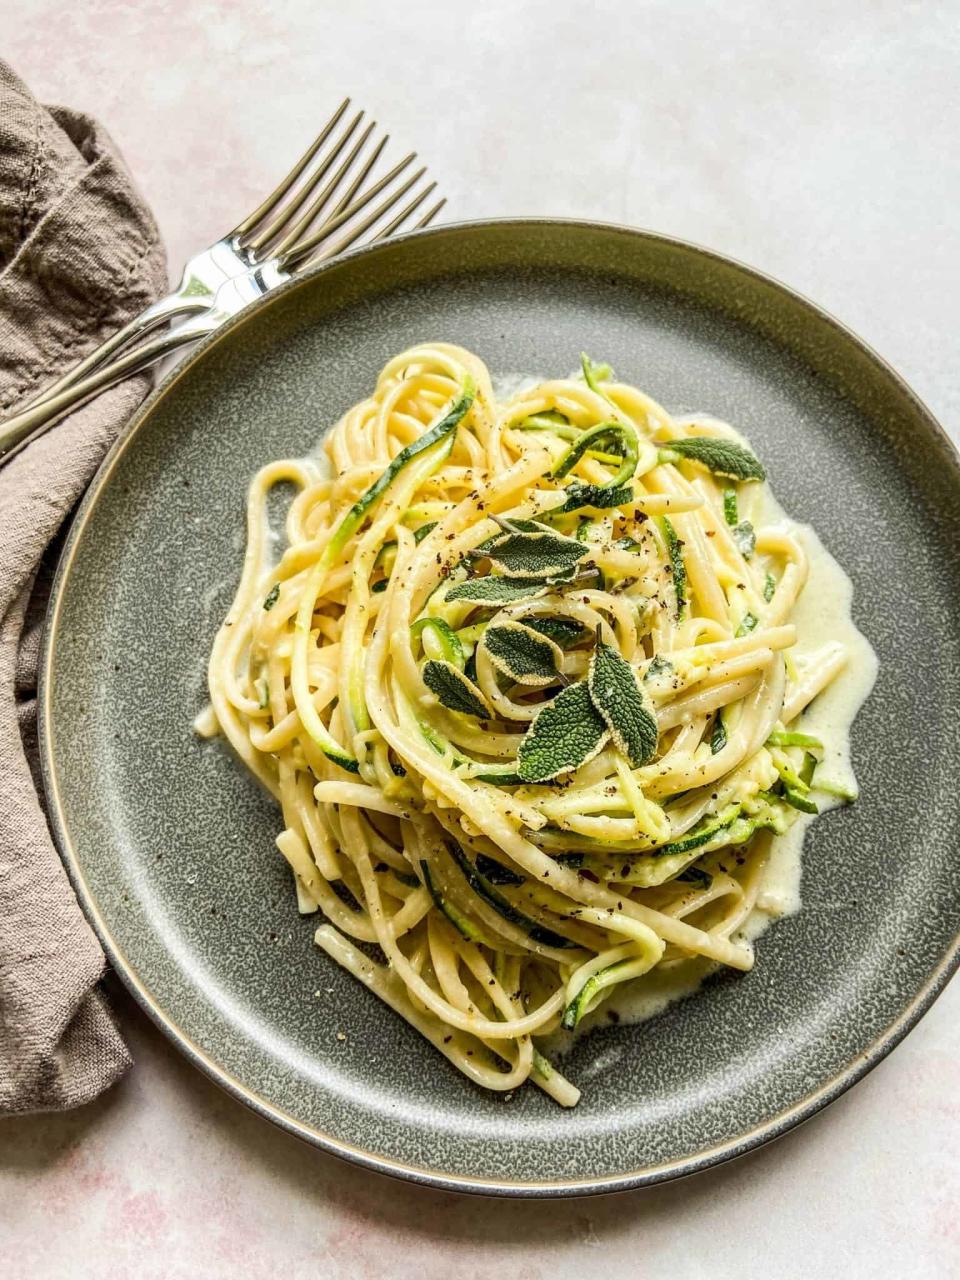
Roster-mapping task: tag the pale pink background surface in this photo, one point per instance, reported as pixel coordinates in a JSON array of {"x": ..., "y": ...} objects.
[{"x": 817, "y": 142}]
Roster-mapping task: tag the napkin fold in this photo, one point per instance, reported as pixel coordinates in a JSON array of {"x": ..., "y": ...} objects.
[{"x": 80, "y": 255}]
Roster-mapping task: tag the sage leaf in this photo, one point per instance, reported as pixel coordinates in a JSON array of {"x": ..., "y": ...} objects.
[
  {"x": 721, "y": 456},
  {"x": 521, "y": 654},
  {"x": 454, "y": 690},
  {"x": 506, "y": 526},
  {"x": 623, "y": 704},
  {"x": 495, "y": 591},
  {"x": 562, "y": 631},
  {"x": 535, "y": 555},
  {"x": 273, "y": 595},
  {"x": 567, "y": 733}
]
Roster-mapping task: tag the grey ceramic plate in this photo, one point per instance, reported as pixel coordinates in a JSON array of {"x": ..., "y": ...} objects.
[{"x": 170, "y": 844}]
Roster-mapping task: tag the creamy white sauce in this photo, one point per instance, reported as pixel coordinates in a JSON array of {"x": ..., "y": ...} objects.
[
  {"x": 507, "y": 385},
  {"x": 821, "y": 615}
]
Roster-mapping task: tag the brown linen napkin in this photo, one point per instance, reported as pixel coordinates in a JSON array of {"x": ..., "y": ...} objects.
[{"x": 79, "y": 255}]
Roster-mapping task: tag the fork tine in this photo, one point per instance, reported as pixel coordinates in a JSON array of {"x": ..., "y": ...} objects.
[
  {"x": 404, "y": 214},
  {"x": 274, "y": 198},
  {"x": 318, "y": 203},
  {"x": 284, "y": 214},
  {"x": 354, "y": 233},
  {"x": 361, "y": 177},
  {"x": 429, "y": 216},
  {"x": 303, "y": 247}
]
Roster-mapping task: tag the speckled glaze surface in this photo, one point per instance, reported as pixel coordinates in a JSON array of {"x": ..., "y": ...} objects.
[{"x": 170, "y": 843}]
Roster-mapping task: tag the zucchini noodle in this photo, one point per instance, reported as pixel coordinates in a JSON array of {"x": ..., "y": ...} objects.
[{"x": 521, "y": 685}]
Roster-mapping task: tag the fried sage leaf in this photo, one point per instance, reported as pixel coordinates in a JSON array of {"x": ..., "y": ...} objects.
[
  {"x": 722, "y": 457},
  {"x": 494, "y": 591},
  {"x": 454, "y": 690},
  {"x": 623, "y": 704},
  {"x": 562, "y": 631},
  {"x": 540, "y": 554},
  {"x": 522, "y": 655},
  {"x": 567, "y": 733}
]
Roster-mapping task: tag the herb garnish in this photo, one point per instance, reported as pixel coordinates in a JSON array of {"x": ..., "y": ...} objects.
[
  {"x": 567, "y": 733},
  {"x": 523, "y": 655},
  {"x": 722, "y": 457},
  {"x": 624, "y": 704},
  {"x": 454, "y": 690}
]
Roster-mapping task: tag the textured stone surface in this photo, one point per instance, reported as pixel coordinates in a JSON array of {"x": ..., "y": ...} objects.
[{"x": 811, "y": 147}]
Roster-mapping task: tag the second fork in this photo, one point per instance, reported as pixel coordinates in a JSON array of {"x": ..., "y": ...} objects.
[{"x": 272, "y": 244}]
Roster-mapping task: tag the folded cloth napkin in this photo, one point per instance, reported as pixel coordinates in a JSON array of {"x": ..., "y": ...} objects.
[{"x": 79, "y": 255}]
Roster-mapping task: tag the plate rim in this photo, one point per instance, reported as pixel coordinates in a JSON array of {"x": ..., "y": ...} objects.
[{"x": 772, "y": 1127}]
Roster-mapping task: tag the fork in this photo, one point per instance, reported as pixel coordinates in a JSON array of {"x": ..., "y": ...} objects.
[{"x": 295, "y": 227}]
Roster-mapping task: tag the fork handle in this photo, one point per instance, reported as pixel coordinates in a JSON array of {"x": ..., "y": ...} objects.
[
  {"x": 159, "y": 312},
  {"x": 20, "y": 430}
]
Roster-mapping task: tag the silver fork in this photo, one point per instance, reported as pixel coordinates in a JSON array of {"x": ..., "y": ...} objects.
[{"x": 295, "y": 227}]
